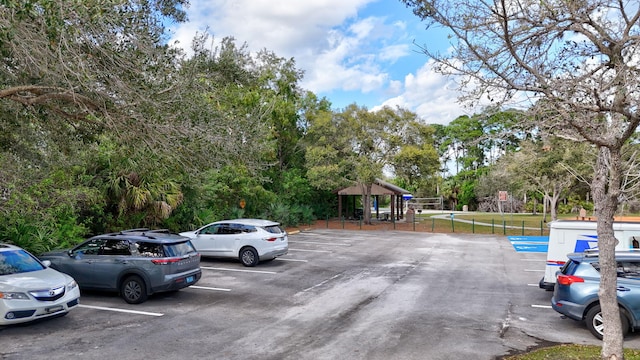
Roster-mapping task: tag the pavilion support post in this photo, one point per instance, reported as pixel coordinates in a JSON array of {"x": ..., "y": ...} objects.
[{"x": 393, "y": 211}]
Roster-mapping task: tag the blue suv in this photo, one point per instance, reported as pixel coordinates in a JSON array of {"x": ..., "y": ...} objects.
[{"x": 575, "y": 294}]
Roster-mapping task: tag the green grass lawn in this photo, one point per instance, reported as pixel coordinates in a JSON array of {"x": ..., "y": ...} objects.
[
  {"x": 570, "y": 352},
  {"x": 487, "y": 223}
]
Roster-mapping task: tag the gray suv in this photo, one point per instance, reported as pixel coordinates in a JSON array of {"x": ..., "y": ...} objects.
[{"x": 135, "y": 263}]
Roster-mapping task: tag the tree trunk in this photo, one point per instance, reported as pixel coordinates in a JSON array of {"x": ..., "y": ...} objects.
[
  {"x": 606, "y": 188},
  {"x": 366, "y": 203},
  {"x": 553, "y": 204},
  {"x": 545, "y": 201}
]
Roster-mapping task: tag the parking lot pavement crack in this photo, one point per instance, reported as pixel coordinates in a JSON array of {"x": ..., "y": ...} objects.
[
  {"x": 409, "y": 269},
  {"x": 507, "y": 321}
]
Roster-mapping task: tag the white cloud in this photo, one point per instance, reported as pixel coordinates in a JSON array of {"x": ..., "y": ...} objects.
[
  {"x": 325, "y": 37},
  {"x": 430, "y": 95},
  {"x": 338, "y": 48}
]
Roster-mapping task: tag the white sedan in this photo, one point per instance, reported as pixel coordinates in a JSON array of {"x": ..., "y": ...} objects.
[
  {"x": 249, "y": 240},
  {"x": 30, "y": 290}
]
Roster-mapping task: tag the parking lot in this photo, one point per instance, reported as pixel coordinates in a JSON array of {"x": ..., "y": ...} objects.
[{"x": 336, "y": 295}]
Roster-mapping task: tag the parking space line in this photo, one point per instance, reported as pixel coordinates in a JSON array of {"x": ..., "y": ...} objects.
[
  {"x": 307, "y": 250},
  {"x": 120, "y": 310},
  {"x": 238, "y": 270},
  {"x": 541, "y": 306},
  {"x": 208, "y": 288},
  {"x": 319, "y": 243},
  {"x": 285, "y": 259},
  {"x": 321, "y": 283}
]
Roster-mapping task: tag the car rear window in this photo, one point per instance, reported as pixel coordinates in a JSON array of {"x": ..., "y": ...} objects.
[
  {"x": 274, "y": 229},
  {"x": 179, "y": 249},
  {"x": 569, "y": 267}
]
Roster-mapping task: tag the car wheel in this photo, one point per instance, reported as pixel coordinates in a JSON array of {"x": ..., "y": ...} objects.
[
  {"x": 249, "y": 257},
  {"x": 133, "y": 290},
  {"x": 595, "y": 323}
]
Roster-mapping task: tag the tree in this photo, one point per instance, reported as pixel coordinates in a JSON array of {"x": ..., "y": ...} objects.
[
  {"x": 578, "y": 59},
  {"x": 551, "y": 168},
  {"x": 86, "y": 65},
  {"x": 416, "y": 163},
  {"x": 353, "y": 147}
]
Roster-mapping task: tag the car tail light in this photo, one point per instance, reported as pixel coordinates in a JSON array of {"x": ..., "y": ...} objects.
[
  {"x": 165, "y": 261},
  {"x": 271, "y": 239},
  {"x": 569, "y": 279}
]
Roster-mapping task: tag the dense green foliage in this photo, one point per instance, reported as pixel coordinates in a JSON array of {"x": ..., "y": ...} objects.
[{"x": 140, "y": 135}]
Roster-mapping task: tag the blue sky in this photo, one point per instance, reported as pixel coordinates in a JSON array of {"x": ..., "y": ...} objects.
[{"x": 351, "y": 51}]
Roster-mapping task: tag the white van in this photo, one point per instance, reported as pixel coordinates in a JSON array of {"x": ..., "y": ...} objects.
[{"x": 569, "y": 236}]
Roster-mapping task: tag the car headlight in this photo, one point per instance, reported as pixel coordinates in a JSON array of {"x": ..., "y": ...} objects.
[
  {"x": 72, "y": 285},
  {"x": 13, "y": 296}
]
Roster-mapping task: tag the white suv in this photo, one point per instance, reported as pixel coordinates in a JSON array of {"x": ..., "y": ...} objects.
[
  {"x": 30, "y": 290},
  {"x": 249, "y": 240}
]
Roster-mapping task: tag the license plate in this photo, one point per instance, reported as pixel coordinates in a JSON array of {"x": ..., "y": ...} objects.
[
  {"x": 189, "y": 279},
  {"x": 54, "y": 309}
]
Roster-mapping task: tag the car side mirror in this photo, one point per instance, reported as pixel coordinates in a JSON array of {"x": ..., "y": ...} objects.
[{"x": 46, "y": 263}]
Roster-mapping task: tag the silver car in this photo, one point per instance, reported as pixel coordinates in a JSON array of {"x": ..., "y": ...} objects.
[
  {"x": 249, "y": 240},
  {"x": 135, "y": 263},
  {"x": 29, "y": 290}
]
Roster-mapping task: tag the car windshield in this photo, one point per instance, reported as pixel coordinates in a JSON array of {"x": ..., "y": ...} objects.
[{"x": 18, "y": 261}]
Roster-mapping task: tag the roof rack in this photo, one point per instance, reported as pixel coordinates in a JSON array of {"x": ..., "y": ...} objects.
[
  {"x": 133, "y": 230},
  {"x": 592, "y": 252},
  {"x": 143, "y": 232},
  {"x": 163, "y": 231}
]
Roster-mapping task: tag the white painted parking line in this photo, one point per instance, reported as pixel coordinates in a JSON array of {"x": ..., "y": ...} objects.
[
  {"x": 542, "y": 306},
  {"x": 319, "y": 243},
  {"x": 534, "y": 285},
  {"x": 321, "y": 283},
  {"x": 307, "y": 250},
  {"x": 238, "y": 270},
  {"x": 285, "y": 259},
  {"x": 208, "y": 288},
  {"x": 120, "y": 310}
]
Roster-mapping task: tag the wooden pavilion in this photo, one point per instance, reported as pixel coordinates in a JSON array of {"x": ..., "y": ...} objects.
[{"x": 379, "y": 188}]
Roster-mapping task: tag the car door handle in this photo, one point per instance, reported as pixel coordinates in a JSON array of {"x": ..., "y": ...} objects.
[{"x": 622, "y": 288}]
